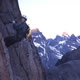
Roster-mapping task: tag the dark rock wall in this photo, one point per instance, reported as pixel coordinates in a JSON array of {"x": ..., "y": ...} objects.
[
  {"x": 68, "y": 68},
  {"x": 21, "y": 61},
  {"x": 67, "y": 71},
  {"x": 5, "y": 67},
  {"x": 73, "y": 55}
]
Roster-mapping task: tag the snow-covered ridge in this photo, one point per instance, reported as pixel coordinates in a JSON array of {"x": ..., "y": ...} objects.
[
  {"x": 50, "y": 50},
  {"x": 58, "y": 54}
]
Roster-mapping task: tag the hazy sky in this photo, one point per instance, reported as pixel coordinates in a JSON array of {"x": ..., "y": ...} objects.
[{"x": 52, "y": 17}]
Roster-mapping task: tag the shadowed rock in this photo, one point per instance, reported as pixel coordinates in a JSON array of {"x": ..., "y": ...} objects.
[
  {"x": 67, "y": 71},
  {"x": 73, "y": 55},
  {"x": 68, "y": 68}
]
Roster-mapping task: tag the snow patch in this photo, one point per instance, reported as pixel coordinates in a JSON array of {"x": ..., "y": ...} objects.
[
  {"x": 73, "y": 43},
  {"x": 41, "y": 54},
  {"x": 53, "y": 48},
  {"x": 43, "y": 43},
  {"x": 38, "y": 36},
  {"x": 73, "y": 47},
  {"x": 58, "y": 54},
  {"x": 38, "y": 45},
  {"x": 61, "y": 47},
  {"x": 34, "y": 40},
  {"x": 78, "y": 40},
  {"x": 68, "y": 45},
  {"x": 62, "y": 42}
]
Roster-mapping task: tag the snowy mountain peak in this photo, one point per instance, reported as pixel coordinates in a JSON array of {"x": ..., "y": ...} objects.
[
  {"x": 65, "y": 34},
  {"x": 35, "y": 30},
  {"x": 53, "y": 49}
]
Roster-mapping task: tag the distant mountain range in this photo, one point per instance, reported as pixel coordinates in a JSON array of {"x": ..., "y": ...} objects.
[{"x": 52, "y": 50}]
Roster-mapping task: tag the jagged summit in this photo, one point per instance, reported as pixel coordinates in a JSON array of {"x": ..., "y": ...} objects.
[
  {"x": 65, "y": 34},
  {"x": 35, "y": 30}
]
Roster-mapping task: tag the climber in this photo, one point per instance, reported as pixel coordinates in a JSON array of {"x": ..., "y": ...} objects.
[{"x": 22, "y": 30}]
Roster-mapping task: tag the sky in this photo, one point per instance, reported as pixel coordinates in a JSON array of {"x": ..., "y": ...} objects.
[{"x": 52, "y": 17}]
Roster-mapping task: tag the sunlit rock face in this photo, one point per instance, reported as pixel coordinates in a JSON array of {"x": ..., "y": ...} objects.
[{"x": 21, "y": 60}]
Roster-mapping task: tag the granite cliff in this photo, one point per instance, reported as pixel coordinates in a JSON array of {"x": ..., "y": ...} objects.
[{"x": 21, "y": 60}]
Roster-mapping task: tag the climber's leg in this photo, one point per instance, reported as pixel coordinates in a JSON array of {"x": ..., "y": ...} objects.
[
  {"x": 13, "y": 39},
  {"x": 10, "y": 40}
]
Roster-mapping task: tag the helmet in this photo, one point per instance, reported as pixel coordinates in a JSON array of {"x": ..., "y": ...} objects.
[{"x": 24, "y": 17}]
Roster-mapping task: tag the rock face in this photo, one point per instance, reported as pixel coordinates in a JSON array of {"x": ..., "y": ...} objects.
[
  {"x": 5, "y": 68},
  {"x": 68, "y": 68},
  {"x": 21, "y": 60},
  {"x": 73, "y": 55}
]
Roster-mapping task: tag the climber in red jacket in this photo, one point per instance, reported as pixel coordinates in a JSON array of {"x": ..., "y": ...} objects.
[{"x": 22, "y": 29}]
